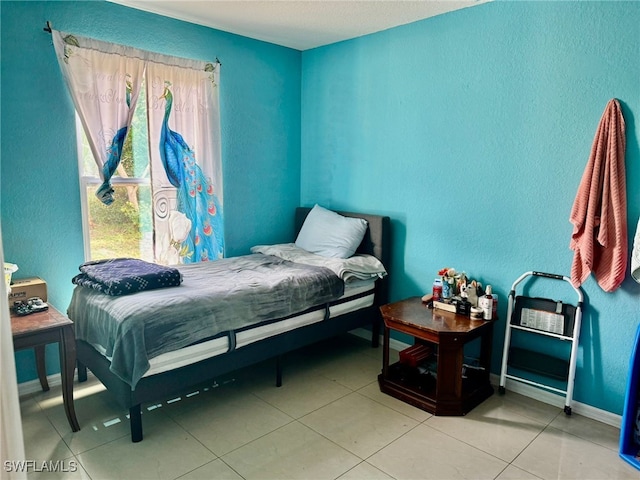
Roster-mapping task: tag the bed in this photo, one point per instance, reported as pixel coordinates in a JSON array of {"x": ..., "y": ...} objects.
[{"x": 173, "y": 372}]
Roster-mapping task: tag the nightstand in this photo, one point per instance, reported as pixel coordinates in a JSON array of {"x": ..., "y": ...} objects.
[
  {"x": 38, "y": 329},
  {"x": 448, "y": 386}
]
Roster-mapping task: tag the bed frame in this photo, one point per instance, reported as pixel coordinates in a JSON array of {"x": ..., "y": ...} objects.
[{"x": 155, "y": 387}]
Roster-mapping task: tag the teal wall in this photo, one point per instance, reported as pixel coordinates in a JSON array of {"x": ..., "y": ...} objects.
[
  {"x": 471, "y": 130},
  {"x": 40, "y": 203}
]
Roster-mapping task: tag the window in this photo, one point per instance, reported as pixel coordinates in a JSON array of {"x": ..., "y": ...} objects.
[
  {"x": 124, "y": 228},
  {"x": 149, "y": 165}
]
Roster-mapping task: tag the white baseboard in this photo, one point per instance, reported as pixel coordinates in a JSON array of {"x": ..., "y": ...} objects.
[
  {"x": 530, "y": 391},
  {"x": 33, "y": 386},
  {"x": 559, "y": 401},
  {"x": 366, "y": 334}
]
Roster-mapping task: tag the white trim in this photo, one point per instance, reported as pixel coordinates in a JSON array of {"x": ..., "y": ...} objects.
[
  {"x": 558, "y": 401},
  {"x": 90, "y": 180},
  {"x": 543, "y": 396},
  {"x": 539, "y": 394},
  {"x": 84, "y": 202},
  {"x": 33, "y": 386},
  {"x": 366, "y": 334}
]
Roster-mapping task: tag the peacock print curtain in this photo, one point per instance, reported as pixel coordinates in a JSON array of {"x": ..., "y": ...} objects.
[
  {"x": 104, "y": 81},
  {"x": 184, "y": 135},
  {"x": 184, "y": 125}
]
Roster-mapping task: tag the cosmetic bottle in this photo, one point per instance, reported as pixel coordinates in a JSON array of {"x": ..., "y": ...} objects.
[{"x": 486, "y": 303}]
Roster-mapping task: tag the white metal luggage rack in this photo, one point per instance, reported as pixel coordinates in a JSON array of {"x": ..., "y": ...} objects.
[{"x": 542, "y": 316}]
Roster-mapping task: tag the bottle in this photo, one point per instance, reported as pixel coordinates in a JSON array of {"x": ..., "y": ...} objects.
[
  {"x": 437, "y": 289},
  {"x": 446, "y": 289},
  {"x": 494, "y": 314},
  {"x": 486, "y": 303}
]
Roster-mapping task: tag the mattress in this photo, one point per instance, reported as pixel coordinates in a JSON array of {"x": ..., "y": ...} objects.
[
  {"x": 355, "y": 298},
  {"x": 227, "y": 295}
]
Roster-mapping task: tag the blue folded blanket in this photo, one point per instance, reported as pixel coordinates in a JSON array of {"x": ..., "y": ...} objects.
[{"x": 123, "y": 276}]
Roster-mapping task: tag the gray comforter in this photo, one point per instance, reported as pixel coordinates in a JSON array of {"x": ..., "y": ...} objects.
[{"x": 214, "y": 297}]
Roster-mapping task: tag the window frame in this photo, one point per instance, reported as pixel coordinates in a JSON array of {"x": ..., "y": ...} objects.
[{"x": 86, "y": 181}]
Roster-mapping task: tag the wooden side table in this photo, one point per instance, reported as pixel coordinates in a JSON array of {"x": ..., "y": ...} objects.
[
  {"x": 37, "y": 330},
  {"x": 446, "y": 393}
]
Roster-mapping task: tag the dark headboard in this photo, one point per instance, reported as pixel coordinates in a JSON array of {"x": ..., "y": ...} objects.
[{"x": 376, "y": 240}]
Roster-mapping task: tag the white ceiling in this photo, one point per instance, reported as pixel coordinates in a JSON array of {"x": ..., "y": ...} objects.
[{"x": 300, "y": 24}]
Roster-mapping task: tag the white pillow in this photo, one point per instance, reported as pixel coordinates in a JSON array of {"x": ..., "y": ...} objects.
[{"x": 329, "y": 234}]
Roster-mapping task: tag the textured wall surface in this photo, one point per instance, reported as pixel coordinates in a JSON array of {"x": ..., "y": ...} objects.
[
  {"x": 472, "y": 130},
  {"x": 40, "y": 202}
]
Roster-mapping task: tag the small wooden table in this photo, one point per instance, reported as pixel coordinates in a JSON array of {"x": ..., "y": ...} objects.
[
  {"x": 447, "y": 334},
  {"x": 38, "y": 329}
]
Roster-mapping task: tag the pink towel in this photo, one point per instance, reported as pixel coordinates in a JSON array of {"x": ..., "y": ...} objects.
[{"x": 599, "y": 213}]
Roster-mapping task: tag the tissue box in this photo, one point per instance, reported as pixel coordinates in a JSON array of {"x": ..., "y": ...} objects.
[{"x": 26, "y": 288}]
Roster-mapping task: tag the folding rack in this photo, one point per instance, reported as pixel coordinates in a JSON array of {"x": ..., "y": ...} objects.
[{"x": 549, "y": 318}]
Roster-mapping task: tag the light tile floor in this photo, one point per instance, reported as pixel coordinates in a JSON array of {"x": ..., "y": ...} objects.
[{"x": 329, "y": 420}]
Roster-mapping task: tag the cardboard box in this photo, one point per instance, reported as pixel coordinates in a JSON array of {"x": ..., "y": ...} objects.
[{"x": 25, "y": 288}]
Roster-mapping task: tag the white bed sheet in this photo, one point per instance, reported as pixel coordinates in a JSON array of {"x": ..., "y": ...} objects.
[{"x": 218, "y": 346}]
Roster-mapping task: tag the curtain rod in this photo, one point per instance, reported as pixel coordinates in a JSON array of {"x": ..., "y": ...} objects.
[{"x": 47, "y": 29}]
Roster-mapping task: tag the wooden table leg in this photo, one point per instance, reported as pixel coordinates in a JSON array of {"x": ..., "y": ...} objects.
[
  {"x": 41, "y": 367},
  {"x": 450, "y": 358},
  {"x": 67, "y": 347},
  {"x": 385, "y": 352}
]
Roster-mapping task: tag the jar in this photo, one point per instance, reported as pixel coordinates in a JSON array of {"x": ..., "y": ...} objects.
[
  {"x": 437, "y": 289},
  {"x": 477, "y": 313}
]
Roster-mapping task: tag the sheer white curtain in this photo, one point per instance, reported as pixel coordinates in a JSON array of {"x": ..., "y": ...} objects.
[
  {"x": 11, "y": 440},
  {"x": 104, "y": 81},
  {"x": 184, "y": 135}
]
